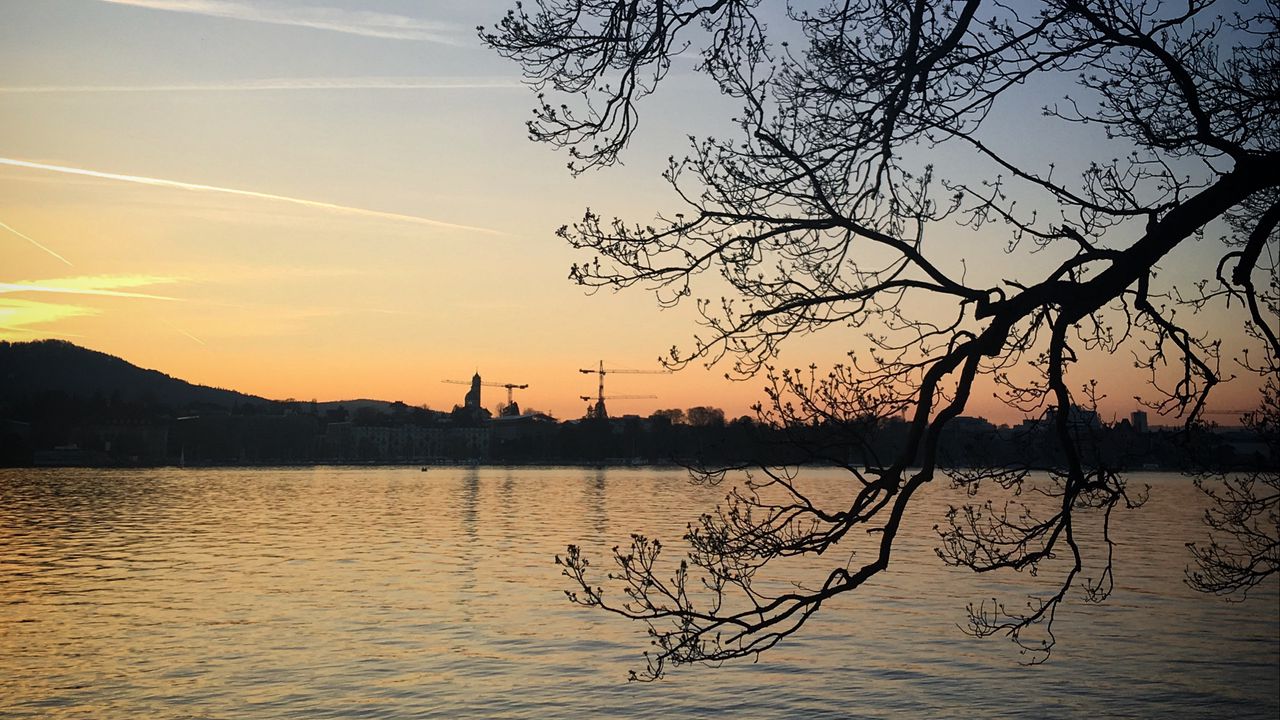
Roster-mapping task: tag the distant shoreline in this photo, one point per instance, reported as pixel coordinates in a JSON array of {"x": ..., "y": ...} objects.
[{"x": 427, "y": 467}]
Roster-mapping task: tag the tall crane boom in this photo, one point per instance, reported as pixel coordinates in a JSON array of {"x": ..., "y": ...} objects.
[
  {"x": 508, "y": 386},
  {"x": 598, "y": 410}
]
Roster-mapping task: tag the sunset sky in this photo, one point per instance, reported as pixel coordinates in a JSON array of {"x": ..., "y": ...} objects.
[{"x": 329, "y": 200}]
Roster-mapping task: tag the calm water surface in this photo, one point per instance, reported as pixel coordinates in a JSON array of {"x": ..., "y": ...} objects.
[{"x": 389, "y": 592}]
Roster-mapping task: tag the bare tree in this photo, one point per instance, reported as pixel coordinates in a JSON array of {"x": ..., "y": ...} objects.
[
  {"x": 823, "y": 210},
  {"x": 1243, "y": 548}
]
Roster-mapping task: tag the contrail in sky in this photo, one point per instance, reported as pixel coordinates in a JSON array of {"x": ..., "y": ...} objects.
[
  {"x": 351, "y": 22},
  {"x": 286, "y": 84},
  {"x": 193, "y": 337},
  {"x": 177, "y": 329},
  {"x": 158, "y": 182},
  {"x": 33, "y": 241}
]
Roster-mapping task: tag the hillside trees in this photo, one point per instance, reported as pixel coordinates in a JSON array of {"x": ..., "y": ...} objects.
[{"x": 868, "y": 187}]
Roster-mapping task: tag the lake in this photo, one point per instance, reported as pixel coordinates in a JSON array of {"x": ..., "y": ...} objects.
[{"x": 391, "y": 593}]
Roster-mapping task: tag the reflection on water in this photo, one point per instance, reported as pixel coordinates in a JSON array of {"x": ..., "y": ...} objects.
[{"x": 388, "y": 592}]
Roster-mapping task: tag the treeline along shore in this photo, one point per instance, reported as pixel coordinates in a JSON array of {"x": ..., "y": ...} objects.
[{"x": 63, "y": 405}]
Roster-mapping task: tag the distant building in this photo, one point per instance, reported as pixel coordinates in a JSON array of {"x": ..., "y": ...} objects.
[
  {"x": 472, "y": 400},
  {"x": 348, "y": 442},
  {"x": 1138, "y": 419},
  {"x": 962, "y": 423},
  {"x": 1078, "y": 418},
  {"x": 470, "y": 412},
  {"x": 519, "y": 437}
]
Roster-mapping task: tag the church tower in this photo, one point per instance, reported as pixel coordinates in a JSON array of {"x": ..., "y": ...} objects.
[{"x": 472, "y": 400}]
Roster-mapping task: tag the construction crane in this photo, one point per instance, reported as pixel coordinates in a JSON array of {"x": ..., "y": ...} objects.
[
  {"x": 509, "y": 386},
  {"x": 598, "y": 410}
]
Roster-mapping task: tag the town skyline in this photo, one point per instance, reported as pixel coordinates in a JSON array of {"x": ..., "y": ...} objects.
[{"x": 68, "y": 406}]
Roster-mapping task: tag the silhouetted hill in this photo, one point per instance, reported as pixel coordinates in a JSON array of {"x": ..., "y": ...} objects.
[
  {"x": 353, "y": 405},
  {"x": 32, "y": 369}
]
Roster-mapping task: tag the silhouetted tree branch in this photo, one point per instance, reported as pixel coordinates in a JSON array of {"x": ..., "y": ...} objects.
[
  {"x": 1243, "y": 548},
  {"x": 823, "y": 210}
]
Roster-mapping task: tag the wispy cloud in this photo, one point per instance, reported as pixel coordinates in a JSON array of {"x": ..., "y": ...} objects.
[
  {"x": 331, "y": 207},
  {"x": 35, "y": 242},
  {"x": 102, "y": 285},
  {"x": 20, "y": 317},
  {"x": 25, "y": 317},
  {"x": 351, "y": 22},
  {"x": 285, "y": 84}
]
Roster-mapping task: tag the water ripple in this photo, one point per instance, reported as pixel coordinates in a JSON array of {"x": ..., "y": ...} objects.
[{"x": 390, "y": 593}]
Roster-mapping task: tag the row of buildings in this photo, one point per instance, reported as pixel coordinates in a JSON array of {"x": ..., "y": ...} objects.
[{"x": 396, "y": 433}]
